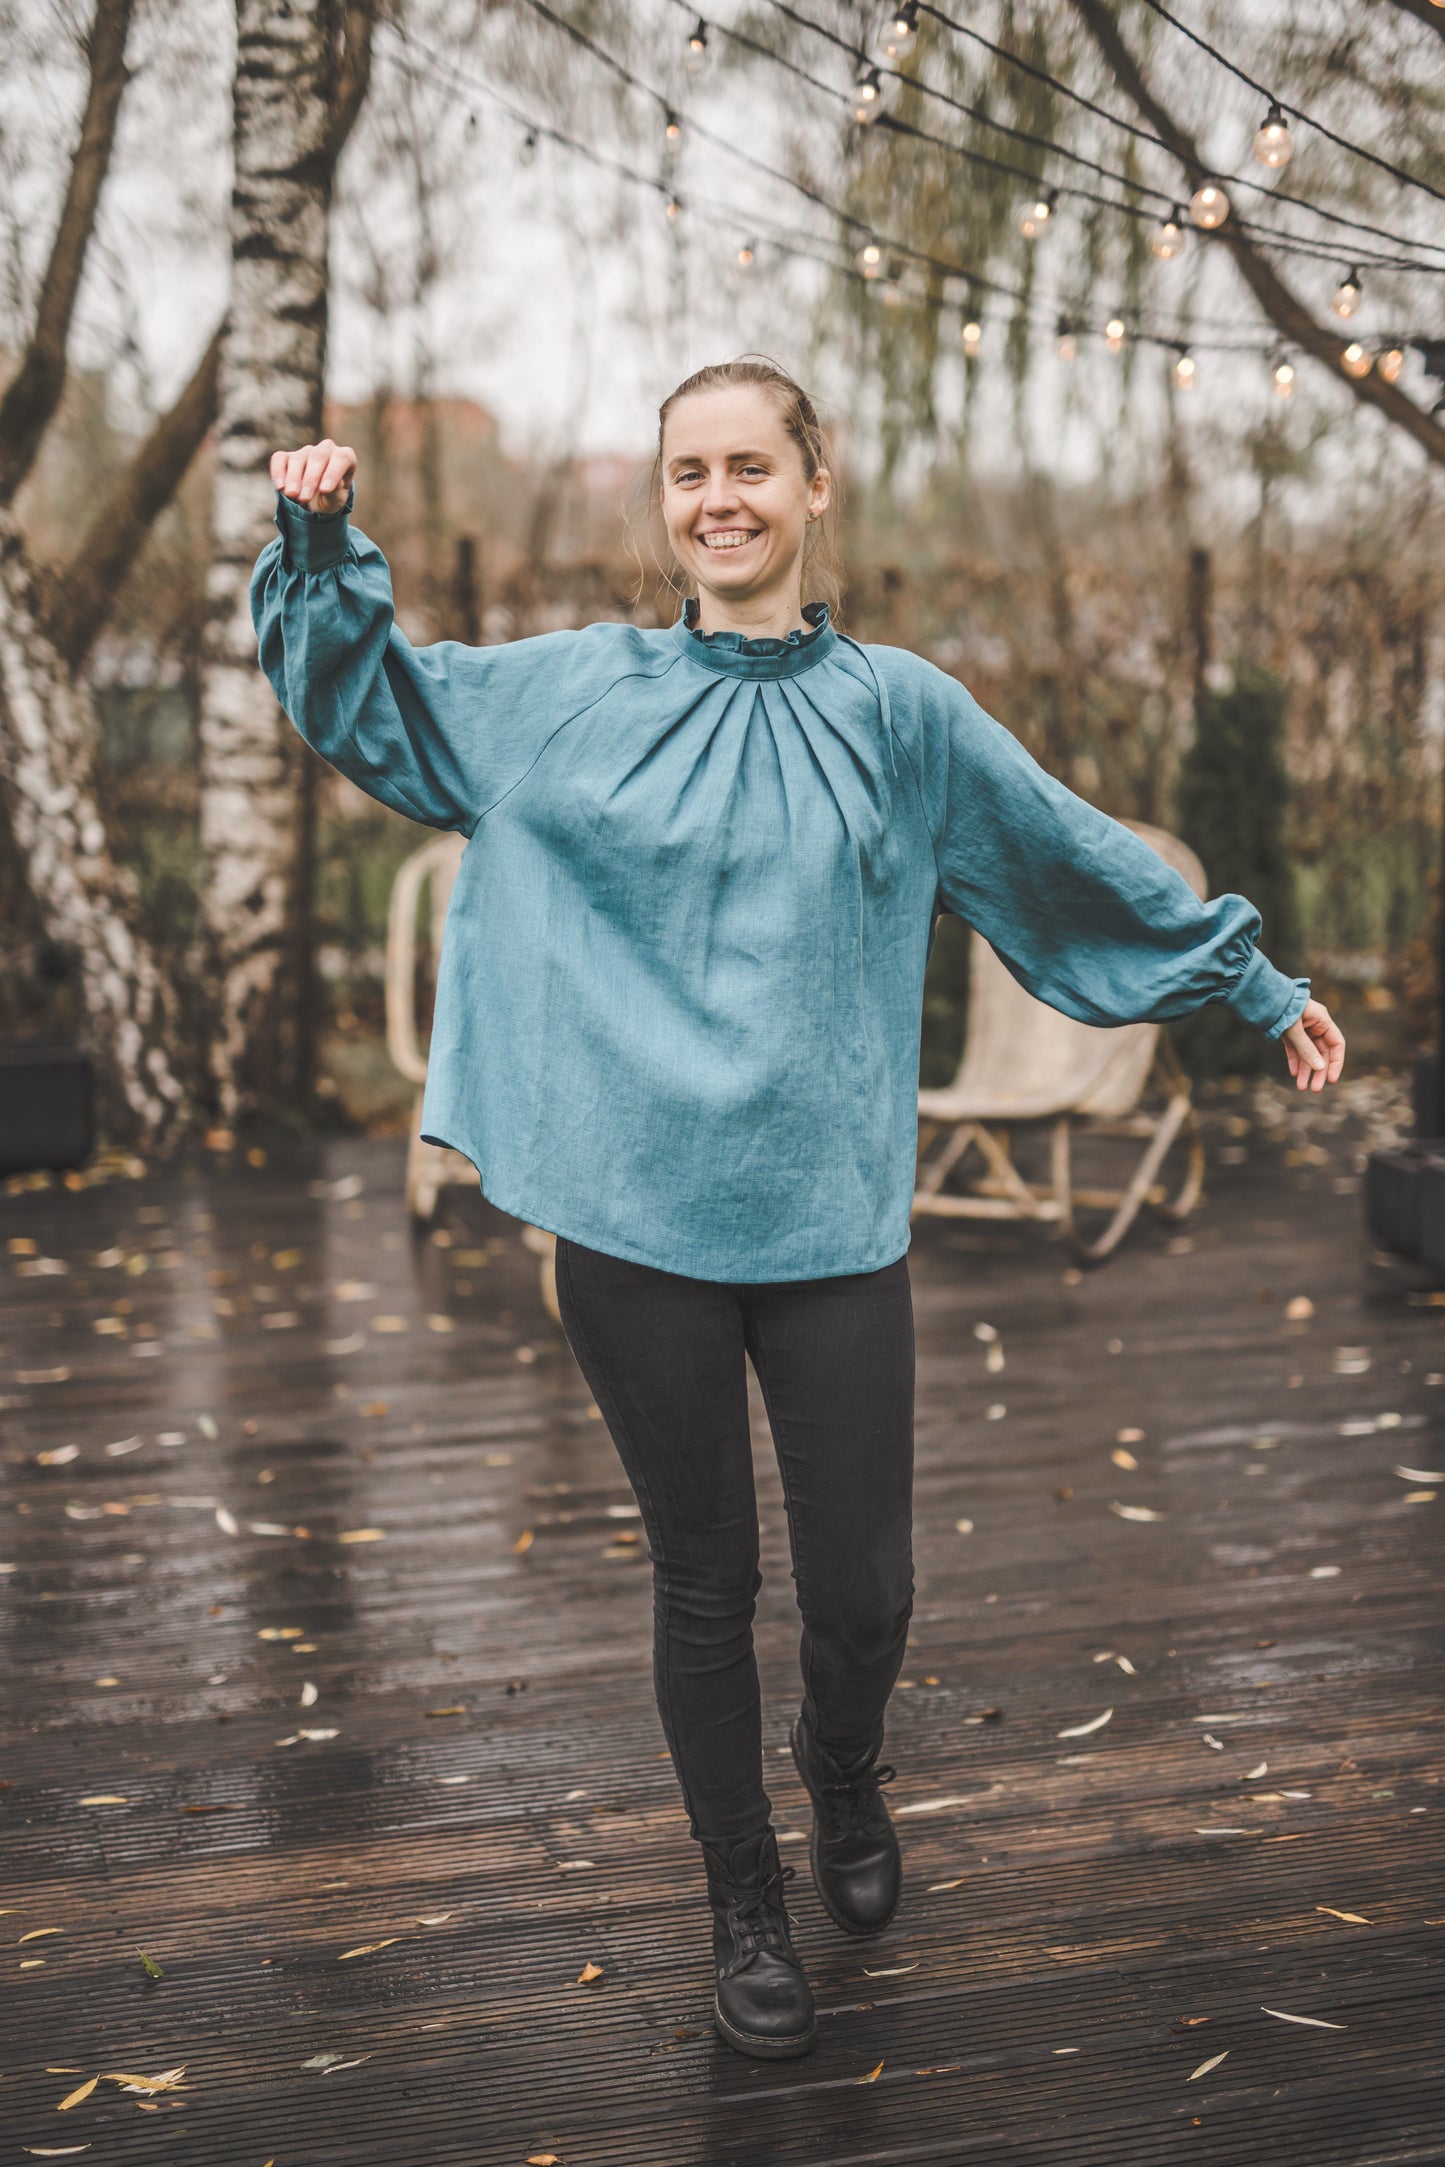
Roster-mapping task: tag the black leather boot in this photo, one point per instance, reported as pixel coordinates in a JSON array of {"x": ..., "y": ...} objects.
[
  {"x": 763, "y": 2004},
  {"x": 854, "y": 1850}
]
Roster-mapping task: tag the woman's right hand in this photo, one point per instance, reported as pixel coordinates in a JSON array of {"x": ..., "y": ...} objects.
[{"x": 318, "y": 475}]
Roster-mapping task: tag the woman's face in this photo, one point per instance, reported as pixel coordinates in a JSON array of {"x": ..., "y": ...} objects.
[{"x": 735, "y": 499}]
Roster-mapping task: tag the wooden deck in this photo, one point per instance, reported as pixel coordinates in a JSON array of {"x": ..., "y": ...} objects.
[{"x": 343, "y": 1437}]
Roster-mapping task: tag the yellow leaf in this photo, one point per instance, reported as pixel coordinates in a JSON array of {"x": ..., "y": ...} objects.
[
  {"x": 1351, "y": 1918},
  {"x": 589, "y": 1972},
  {"x": 543, "y": 2159},
  {"x": 1121, "y": 1458},
  {"x": 1205, "y": 2067},
  {"x": 872, "y": 2076},
  {"x": 1299, "y": 1308},
  {"x": 457, "y": 1711},
  {"x": 1129, "y": 1437},
  {"x": 1082, "y": 1730},
  {"x": 363, "y": 1534},
  {"x": 894, "y": 1971},
  {"x": 105, "y": 1798},
  {"x": 38, "y": 1934},
  {"x": 281, "y": 1632},
  {"x": 368, "y": 1948},
  {"x": 82, "y": 2091},
  {"x": 523, "y": 1542},
  {"x": 958, "y": 1884}
]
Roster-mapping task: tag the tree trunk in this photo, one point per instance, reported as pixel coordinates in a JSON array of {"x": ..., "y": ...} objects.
[
  {"x": 272, "y": 368},
  {"x": 47, "y": 733}
]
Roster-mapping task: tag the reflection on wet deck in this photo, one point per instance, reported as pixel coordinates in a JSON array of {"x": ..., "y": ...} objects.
[{"x": 328, "y": 1628}]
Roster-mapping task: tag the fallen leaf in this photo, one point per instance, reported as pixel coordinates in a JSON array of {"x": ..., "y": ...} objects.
[
  {"x": 82, "y": 2091},
  {"x": 543, "y": 2159},
  {"x": 226, "y": 1521},
  {"x": 936, "y": 1885},
  {"x": 1226, "y": 1832},
  {"x": 1418, "y": 1497},
  {"x": 1209, "y": 1739},
  {"x": 1255, "y": 1773},
  {"x": 933, "y": 1805},
  {"x": 1351, "y": 1918},
  {"x": 389, "y": 1324},
  {"x": 436, "y": 1918},
  {"x": 105, "y": 1798},
  {"x": 38, "y": 1933},
  {"x": 1418, "y": 1474},
  {"x": 1121, "y": 1458},
  {"x": 53, "y": 2151},
  {"x": 281, "y": 1632},
  {"x": 458, "y": 1710},
  {"x": 1125, "y": 1665},
  {"x": 894, "y": 1971},
  {"x": 1134, "y": 1512},
  {"x": 61, "y": 1456},
  {"x": 153, "y": 1969},
  {"x": 1324, "y": 1572},
  {"x": 363, "y": 1534},
  {"x": 1082, "y": 1730},
  {"x": 1299, "y": 1308},
  {"x": 332, "y": 2067},
  {"x": 524, "y": 1541},
  {"x": 872, "y": 2076},
  {"x": 169, "y": 2080},
  {"x": 309, "y": 1695},
  {"x": 589, "y": 1972},
  {"x": 1323, "y": 2024},
  {"x": 964, "y": 1527},
  {"x": 368, "y": 1948},
  {"x": 1205, "y": 2067},
  {"x": 314, "y": 1735}
]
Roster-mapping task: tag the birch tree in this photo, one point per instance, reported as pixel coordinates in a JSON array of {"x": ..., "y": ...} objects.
[{"x": 301, "y": 71}]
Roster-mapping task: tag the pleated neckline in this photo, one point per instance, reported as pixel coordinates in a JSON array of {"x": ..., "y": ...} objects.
[{"x": 734, "y": 654}]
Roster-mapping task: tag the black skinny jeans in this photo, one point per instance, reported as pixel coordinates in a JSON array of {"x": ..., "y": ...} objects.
[{"x": 665, "y": 1357}]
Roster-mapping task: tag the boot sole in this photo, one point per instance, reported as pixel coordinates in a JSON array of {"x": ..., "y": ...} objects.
[
  {"x": 762, "y": 2048},
  {"x": 839, "y": 1918}
]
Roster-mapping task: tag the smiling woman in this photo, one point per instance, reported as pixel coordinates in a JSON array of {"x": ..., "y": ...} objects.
[
  {"x": 742, "y": 479},
  {"x": 677, "y": 1025}
]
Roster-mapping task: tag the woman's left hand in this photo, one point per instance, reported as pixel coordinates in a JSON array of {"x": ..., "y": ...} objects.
[{"x": 1315, "y": 1048}]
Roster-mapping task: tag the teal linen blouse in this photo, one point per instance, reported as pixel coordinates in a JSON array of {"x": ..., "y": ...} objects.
[{"x": 680, "y": 991}]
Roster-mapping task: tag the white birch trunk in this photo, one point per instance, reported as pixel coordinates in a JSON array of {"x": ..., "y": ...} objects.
[
  {"x": 272, "y": 365},
  {"x": 47, "y": 731}
]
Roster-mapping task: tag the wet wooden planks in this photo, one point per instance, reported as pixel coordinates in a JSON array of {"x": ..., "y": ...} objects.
[{"x": 322, "y": 1370}]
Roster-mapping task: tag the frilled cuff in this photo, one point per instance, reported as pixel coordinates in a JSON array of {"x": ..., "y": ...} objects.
[
  {"x": 1264, "y": 997},
  {"x": 313, "y": 541}
]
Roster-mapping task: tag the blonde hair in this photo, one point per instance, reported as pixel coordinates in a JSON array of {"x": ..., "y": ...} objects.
[{"x": 822, "y": 566}]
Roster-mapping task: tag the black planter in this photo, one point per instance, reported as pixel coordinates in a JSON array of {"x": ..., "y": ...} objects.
[{"x": 47, "y": 1108}]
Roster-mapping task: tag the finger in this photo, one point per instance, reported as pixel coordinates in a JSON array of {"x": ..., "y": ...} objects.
[
  {"x": 315, "y": 467},
  {"x": 295, "y": 469},
  {"x": 278, "y": 468},
  {"x": 338, "y": 470}
]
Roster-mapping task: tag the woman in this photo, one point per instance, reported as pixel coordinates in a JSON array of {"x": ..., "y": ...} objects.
[{"x": 677, "y": 1023}]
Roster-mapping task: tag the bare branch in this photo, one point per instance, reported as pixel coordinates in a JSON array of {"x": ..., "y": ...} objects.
[
  {"x": 353, "y": 73},
  {"x": 33, "y": 393},
  {"x": 77, "y": 597},
  {"x": 1288, "y": 315}
]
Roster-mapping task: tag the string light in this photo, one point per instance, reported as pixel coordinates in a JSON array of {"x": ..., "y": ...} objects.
[
  {"x": 1209, "y": 205},
  {"x": 1183, "y": 370},
  {"x": 972, "y": 338},
  {"x": 900, "y": 30},
  {"x": 1274, "y": 145},
  {"x": 1392, "y": 361},
  {"x": 1283, "y": 374},
  {"x": 695, "y": 58},
  {"x": 1356, "y": 360},
  {"x": 1035, "y": 216},
  {"x": 747, "y": 255},
  {"x": 1169, "y": 239},
  {"x": 870, "y": 259},
  {"x": 1068, "y": 344},
  {"x": 868, "y": 96},
  {"x": 673, "y": 129},
  {"x": 1346, "y": 297},
  {"x": 1114, "y": 334}
]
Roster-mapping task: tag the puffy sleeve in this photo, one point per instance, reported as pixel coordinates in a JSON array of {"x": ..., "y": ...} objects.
[
  {"x": 437, "y": 732},
  {"x": 1085, "y": 915}
]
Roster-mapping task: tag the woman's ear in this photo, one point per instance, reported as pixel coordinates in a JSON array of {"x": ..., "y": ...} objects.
[{"x": 820, "y": 494}]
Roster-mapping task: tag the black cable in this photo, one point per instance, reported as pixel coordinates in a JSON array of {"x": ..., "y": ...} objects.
[
  {"x": 1147, "y": 135},
  {"x": 1410, "y": 180}
]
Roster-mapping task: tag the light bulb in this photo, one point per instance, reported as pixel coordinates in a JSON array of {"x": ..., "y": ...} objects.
[
  {"x": 972, "y": 338},
  {"x": 1390, "y": 363},
  {"x": 695, "y": 58},
  {"x": 1035, "y": 215},
  {"x": 1274, "y": 145},
  {"x": 1068, "y": 344},
  {"x": 746, "y": 255},
  {"x": 1284, "y": 378},
  {"x": 1209, "y": 205},
  {"x": 1169, "y": 239},
  {"x": 1356, "y": 360},
  {"x": 1346, "y": 297},
  {"x": 1114, "y": 334},
  {"x": 870, "y": 259},
  {"x": 899, "y": 32},
  {"x": 674, "y": 207},
  {"x": 673, "y": 129},
  {"x": 868, "y": 96},
  {"x": 1184, "y": 371}
]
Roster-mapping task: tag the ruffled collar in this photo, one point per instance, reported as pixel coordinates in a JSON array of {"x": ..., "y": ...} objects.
[{"x": 735, "y": 654}]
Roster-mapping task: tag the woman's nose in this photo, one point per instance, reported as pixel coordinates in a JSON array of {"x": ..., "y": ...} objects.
[{"x": 720, "y": 495}]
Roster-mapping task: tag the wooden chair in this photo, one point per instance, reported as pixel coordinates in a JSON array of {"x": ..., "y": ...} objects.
[
  {"x": 430, "y": 873},
  {"x": 1025, "y": 1063}
]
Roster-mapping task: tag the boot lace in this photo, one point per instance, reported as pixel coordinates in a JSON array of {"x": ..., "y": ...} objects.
[
  {"x": 758, "y": 1920},
  {"x": 851, "y": 1803}
]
